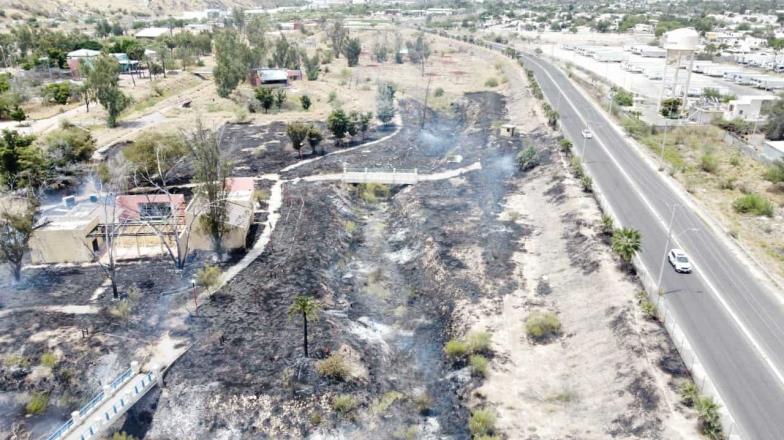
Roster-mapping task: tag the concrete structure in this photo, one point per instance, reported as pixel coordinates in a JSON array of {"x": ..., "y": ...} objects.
[
  {"x": 384, "y": 176},
  {"x": 239, "y": 216},
  {"x": 64, "y": 234},
  {"x": 773, "y": 150},
  {"x": 749, "y": 108},
  {"x": 681, "y": 45}
]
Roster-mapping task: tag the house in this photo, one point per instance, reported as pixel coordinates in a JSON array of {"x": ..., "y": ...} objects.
[
  {"x": 749, "y": 108},
  {"x": 268, "y": 76},
  {"x": 239, "y": 215},
  {"x": 126, "y": 64},
  {"x": 642, "y": 28},
  {"x": 773, "y": 150},
  {"x": 148, "y": 224},
  {"x": 75, "y": 59},
  {"x": 152, "y": 33}
]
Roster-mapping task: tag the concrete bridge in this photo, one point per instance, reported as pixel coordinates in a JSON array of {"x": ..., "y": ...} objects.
[{"x": 109, "y": 404}]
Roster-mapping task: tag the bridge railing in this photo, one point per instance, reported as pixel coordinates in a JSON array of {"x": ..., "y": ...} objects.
[{"x": 90, "y": 406}]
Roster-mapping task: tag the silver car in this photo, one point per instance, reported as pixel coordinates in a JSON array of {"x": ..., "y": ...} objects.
[{"x": 679, "y": 260}]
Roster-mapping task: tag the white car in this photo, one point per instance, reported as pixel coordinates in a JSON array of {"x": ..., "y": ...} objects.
[
  {"x": 679, "y": 260},
  {"x": 587, "y": 133}
]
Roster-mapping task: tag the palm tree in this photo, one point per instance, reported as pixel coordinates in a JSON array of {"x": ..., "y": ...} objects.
[
  {"x": 626, "y": 242},
  {"x": 308, "y": 307}
]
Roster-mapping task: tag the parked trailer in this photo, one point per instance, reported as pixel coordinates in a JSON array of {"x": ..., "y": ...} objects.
[
  {"x": 701, "y": 66},
  {"x": 653, "y": 52},
  {"x": 747, "y": 79},
  {"x": 609, "y": 56},
  {"x": 771, "y": 83}
]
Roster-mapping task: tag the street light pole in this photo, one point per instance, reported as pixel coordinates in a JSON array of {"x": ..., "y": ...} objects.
[{"x": 661, "y": 153}]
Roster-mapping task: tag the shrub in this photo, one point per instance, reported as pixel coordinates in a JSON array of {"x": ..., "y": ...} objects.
[
  {"x": 48, "y": 360},
  {"x": 775, "y": 173},
  {"x": 587, "y": 183},
  {"x": 577, "y": 167},
  {"x": 623, "y": 98},
  {"x": 122, "y": 435},
  {"x": 455, "y": 349},
  {"x": 689, "y": 393},
  {"x": 735, "y": 160},
  {"x": 648, "y": 309},
  {"x": 566, "y": 145},
  {"x": 491, "y": 82},
  {"x": 753, "y": 204},
  {"x": 57, "y": 93},
  {"x": 439, "y": 92},
  {"x": 709, "y": 163},
  {"x": 527, "y": 160},
  {"x": 727, "y": 183},
  {"x": 37, "y": 404},
  {"x": 15, "y": 360},
  {"x": 478, "y": 342},
  {"x": 636, "y": 128},
  {"x": 542, "y": 325},
  {"x": 371, "y": 192},
  {"x": 708, "y": 414},
  {"x": 333, "y": 367},
  {"x": 479, "y": 365},
  {"x": 122, "y": 310},
  {"x": 608, "y": 225},
  {"x": 305, "y": 101},
  {"x": 344, "y": 404},
  {"x": 482, "y": 422},
  {"x": 208, "y": 276}
]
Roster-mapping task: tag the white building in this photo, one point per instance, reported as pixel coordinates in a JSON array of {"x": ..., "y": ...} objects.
[{"x": 749, "y": 108}]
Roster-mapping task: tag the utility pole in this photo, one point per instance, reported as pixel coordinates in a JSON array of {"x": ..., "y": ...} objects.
[{"x": 666, "y": 249}]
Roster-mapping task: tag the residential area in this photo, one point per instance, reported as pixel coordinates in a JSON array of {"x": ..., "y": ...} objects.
[{"x": 393, "y": 220}]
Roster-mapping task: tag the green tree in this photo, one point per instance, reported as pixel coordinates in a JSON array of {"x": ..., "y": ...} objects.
[
  {"x": 68, "y": 145},
  {"x": 297, "y": 133},
  {"x": 363, "y": 123},
  {"x": 626, "y": 242},
  {"x": 351, "y": 50},
  {"x": 385, "y": 102},
  {"x": 154, "y": 154},
  {"x": 231, "y": 55},
  {"x": 337, "y": 35},
  {"x": 308, "y": 308},
  {"x": 58, "y": 93},
  {"x": 21, "y": 163},
  {"x": 774, "y": 128},
  {"x": 305, "y": 101},
  {"x": 314, "y": 138},
  {"x": 265, "y": 97},
  {"x": 103, "y": 79},
  {"x": 338, "y": 123},
  {"x": 17, "y": 224},
  {"x": 210, "y": 173},
  {"x": 670, "y": 107},
  {"x": 311, "y": 66},
  {"x": 280, "y": 97},
  {"x": 380, "y": 51}
]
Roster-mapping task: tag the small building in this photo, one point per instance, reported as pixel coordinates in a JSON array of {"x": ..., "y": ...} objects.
[
  {"x": 642, "y": 28},
  {"x": 75, "y": 59},
  {"x": 152, "y": 33},
  {"x": 773, "y": 150},
  {"x": 148, "y": 224},
  {"x": 127, "y": 65},
  {"x": 63, "y": 234},
  {"x": 239, "y": 216},
  {"x": 749, "y": 108},
  {"x": 268, "y": 76}
]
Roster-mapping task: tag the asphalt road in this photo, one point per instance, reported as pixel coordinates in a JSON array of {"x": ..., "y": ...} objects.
[{"x": 734, "y": 321}]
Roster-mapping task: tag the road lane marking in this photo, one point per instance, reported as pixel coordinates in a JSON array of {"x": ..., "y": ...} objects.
[{"x": 662, "y": 223}]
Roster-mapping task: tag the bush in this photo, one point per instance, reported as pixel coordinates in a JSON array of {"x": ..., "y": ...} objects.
[
  {"x": 208, "y": 276},
  {"x": 482, "y": 422},
  {"x": 542, "y": 325},
  {"x": 333, "y": 367},
  {"x": 15, "y": 360},
  {"x": 344, "y": 404},
  {"x": 587, "y": 183},
  {"x": 689, "y": 393},
  {"x": 708, "y": 414},
  {"x": 371, "y": 192},
  {"x": 491, "y": 82},
  {"x": 37, "y": 404},
  {"x": 68, "y": 145},
  {"x": 455, "y": 349},
  {"x": 636, "y": 128},
  {"x": 439, "y": 92},
  {"x": 709, "y": 163},
  {"x": 527, "y": 159},
  {"x": 623, "y": 98},
  {"x": 608, "y": 225},
  {"x": 775, "y": 173},
  {"x": 57, "y": 93},
  {"x": 48, "y": 360},
  {"x": 123, "y": 436},
  {"x": 478, "y": 342},
  {"x": 753, "y": 204},
  {"x": 479, "y": 365},
  {"x": 566, "y": 145},
  {"x": 577, "y": 167}
]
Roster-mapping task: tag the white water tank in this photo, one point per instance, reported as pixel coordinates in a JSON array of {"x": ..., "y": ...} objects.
[{"x": 683, "y": 39}]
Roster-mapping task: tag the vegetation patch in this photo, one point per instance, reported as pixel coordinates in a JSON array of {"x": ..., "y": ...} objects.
[
  {"x": 753, "y": 204},
  {"x": 541, "y": 326},
  {"x": 333, "y": 367}
]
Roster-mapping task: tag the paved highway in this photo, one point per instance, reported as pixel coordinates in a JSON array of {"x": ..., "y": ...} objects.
[{"x": 734, "y": 321}]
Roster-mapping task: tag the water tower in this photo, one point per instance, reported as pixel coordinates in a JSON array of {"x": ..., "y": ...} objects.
[{"x": 681, "y": 45}]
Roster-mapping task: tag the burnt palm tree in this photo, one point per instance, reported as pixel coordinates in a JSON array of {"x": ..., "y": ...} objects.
[{"x": 308, "y": 308}]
